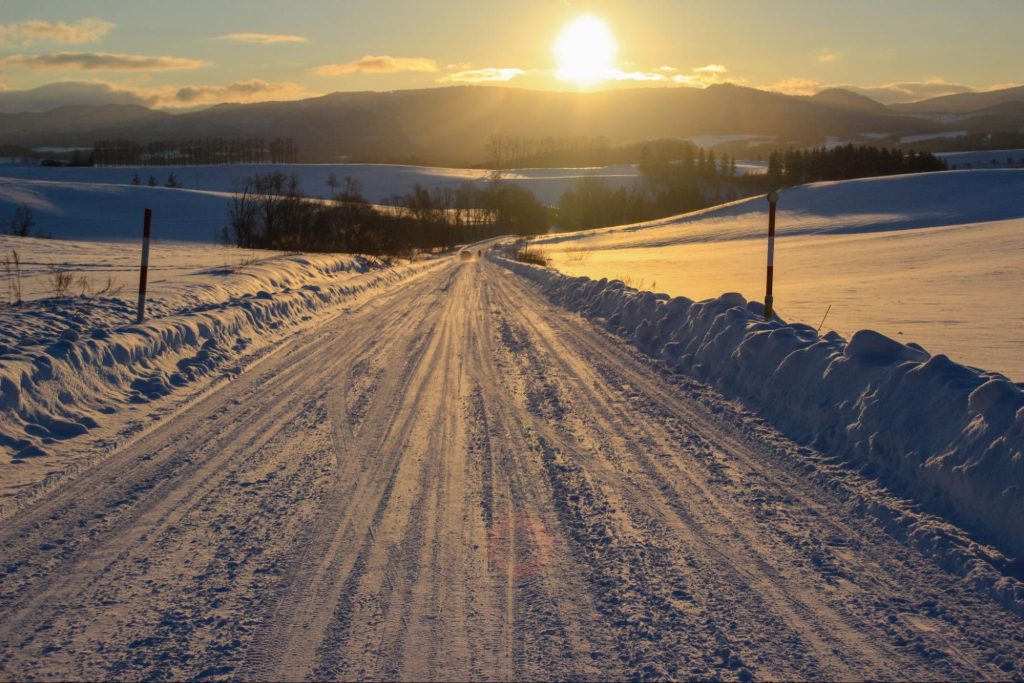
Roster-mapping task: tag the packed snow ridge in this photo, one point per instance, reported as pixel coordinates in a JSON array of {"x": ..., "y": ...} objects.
[
  {"x": 69, "y": 364},
  {"x": 948, "y": 436}
]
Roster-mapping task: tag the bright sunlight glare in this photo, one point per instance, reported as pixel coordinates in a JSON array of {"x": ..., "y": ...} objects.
[{"x": 585, "y": 50}]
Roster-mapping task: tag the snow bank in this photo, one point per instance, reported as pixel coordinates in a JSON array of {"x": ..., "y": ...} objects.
[
  {"x": 945, "y": 435},
  {"x": 69, "y": 365}
]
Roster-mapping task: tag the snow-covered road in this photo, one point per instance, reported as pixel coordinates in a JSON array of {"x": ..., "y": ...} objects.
[{"x": 457, "y": 480}]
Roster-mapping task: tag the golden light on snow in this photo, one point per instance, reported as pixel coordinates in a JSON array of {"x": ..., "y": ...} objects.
[{"x": 585, "y": 50}]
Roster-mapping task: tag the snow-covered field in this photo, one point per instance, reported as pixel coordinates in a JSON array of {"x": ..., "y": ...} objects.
[
  {"x": 987, "y": 159},
  {"x": 102, "y": 203},
  {"x": 179, "y": 272},
  {"x": 379, "y": 181},
  {"x": 936, "y": 259}
]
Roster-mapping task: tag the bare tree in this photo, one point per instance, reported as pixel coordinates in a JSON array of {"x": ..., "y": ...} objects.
[
  {"x": 22, "y": 222},
  {"x": 497, "y": 152}
]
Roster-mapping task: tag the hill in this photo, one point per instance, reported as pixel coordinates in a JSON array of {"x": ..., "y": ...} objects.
[
  {"x": 451, "y": 125},
  {"x": 963, "y": 103}
]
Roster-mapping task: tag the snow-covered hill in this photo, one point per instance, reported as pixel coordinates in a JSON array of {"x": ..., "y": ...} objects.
[
  {"x": 102, "y": 203},
  {"x": 936, "y": 259}
]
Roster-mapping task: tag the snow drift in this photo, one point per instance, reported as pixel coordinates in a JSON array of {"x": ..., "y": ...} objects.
[
  {"x": 948, "y": 436},
  {"x": 69, "y": 365}
]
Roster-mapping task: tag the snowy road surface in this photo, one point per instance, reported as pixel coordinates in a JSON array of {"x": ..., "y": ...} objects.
[{"x": 456, "y": 480}]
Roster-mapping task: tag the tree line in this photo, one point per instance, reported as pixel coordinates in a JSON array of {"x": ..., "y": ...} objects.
[
  {"x": 269, "y": 211},
  {"x": 796, "y": 166},
  {"x": 195, "y": 152},
  {"x": 675, "y": 176},
  {"x": 505, "y": 152}
]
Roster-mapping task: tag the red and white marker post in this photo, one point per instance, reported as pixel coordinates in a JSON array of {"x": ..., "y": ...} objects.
[
  {"x": 144, "y": 271},
  {"x": 773, "y": 198}
]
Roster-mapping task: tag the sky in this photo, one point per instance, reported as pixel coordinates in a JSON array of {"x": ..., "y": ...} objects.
[{"x": 190, "y": 53}]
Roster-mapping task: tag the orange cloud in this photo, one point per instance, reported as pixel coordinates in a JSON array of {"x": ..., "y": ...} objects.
[
  {"x": 27, "y": 32},
  {"x": 253, "y": 90},
  {"x": 98, "y": 61},
  {"x": 698, "y": 77},
  {"x": 796, "y": 86},
  {"x": 488, "y": 75},
  {"x": 262, "y": 38},
  {"x": 372, "y": 64}
]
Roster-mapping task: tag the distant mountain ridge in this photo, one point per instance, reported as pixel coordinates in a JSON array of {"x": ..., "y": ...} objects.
[
  {"x": 963, "y": 103},
  {"x": 452, "y": 125}
]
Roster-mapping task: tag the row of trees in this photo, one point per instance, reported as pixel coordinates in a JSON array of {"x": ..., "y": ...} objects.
[
  {"x": 795, "y": 166},
  {"x": 676, "y": 176},
  {"x": 269, "y": 211},
  {"x": 594, "y": 203},
  {"x": 514, "y": 151},
  {"x": 196, "y": 152},
  {"x": 511, "y": 151}
]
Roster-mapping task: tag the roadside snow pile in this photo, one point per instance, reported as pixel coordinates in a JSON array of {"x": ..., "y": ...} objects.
[
  {"x": 946, "y": 435},
  {"x": 69, "y": 365}
]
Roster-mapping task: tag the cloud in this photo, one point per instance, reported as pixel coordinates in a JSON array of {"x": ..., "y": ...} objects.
[
  {"x": 797, "y": 86},
  {"x": 98, "y": 61},
  {"x": 371, "y": 64},
  {"x": 53, "y": 95},
  {"x": 27, "y": 32},
  {"x": 99, "y": 93},
  {"x": 698, "y": 77},
  {"x": 488, "y": 75},
  {"x": 637, "y": 75},
  {"x": 826, "y": 57},
  {"x": 253, "y": 90},
  {"x": 262, "y": 38}
]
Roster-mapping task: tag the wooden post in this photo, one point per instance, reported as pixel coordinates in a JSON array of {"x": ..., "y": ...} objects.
[
  {"x": 147, "y": 223},
  {"x": 773, "y": 198}
]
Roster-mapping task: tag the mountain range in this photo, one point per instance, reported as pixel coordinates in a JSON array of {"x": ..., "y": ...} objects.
[{"x": 452, "y": 125}]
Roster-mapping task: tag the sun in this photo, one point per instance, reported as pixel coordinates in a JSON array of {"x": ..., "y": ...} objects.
[{"x": 585, "y": 50}]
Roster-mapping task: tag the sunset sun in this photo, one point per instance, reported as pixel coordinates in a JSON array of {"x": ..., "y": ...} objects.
[{"x": 585, "y": 50}]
